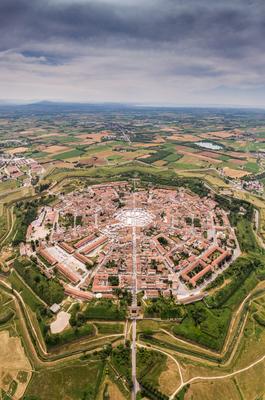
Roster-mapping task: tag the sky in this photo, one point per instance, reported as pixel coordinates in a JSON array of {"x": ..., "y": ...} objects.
[{"x": 154, "y": 52}]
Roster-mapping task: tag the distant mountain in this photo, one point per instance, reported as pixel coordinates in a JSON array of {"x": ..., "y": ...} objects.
[
  {"x": 50, "y": 107},
  {"x": 46, "y": 107},
  {"x": 75, "y": 104}
]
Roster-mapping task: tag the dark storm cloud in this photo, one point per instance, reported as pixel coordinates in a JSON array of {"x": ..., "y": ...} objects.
[
  {"x": 132, "y": 50},
  {"x": 228, "y": 29},
  {"x": 196, "y": 71}
]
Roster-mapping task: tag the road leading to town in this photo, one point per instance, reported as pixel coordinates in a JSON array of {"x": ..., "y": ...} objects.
[{"x": 134, "y": 305}]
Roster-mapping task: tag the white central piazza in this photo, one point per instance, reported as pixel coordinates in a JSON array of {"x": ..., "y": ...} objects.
[{"x": 134, "y": 217}]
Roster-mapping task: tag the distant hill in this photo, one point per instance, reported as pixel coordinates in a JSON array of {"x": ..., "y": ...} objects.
[{"x": 46, "y": 107}]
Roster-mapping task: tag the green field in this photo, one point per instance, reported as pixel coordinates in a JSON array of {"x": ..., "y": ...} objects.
[
  {"x": 150, "y": 364},
  {"x": 252, "y": 167},
  {"x": 104, "y": 310},
  {"x": 8, "y": 185},
  {"x": 75, "y": 381},
  {"x": 109, "y": 328},
  {"x": 68, "y": 154},
  {"x": 50, "y": 291},
  {"x": 28, "y": 296}
]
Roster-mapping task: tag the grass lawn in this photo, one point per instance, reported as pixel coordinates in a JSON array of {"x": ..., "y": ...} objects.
[
  {"x": 150, "y": 365},
  {"x": 104, "y": 310},
  {"x": 16, "y": 194},
  {"x": 245, "y": 236},
  {"x": 111, "y": 329},
  {"x": 8, "y": 185},
  {"x": 211, "y": 332},
  {"x": 30, "y": 299},
  {"x": 75, "y": 381},
  {"x": 3, "y": 225}
]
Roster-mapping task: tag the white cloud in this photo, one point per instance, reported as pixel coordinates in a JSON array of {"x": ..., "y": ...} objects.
[
  {"x": 155, "y": 51},
  {"x": 122, "y": 75}
]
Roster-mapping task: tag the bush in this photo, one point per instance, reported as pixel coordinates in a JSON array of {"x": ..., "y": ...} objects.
[
  {"x": 25, "y": 213},
  {"x": 259, "y": 318},
  {"x": 165, "y": 308},
  {"x": 6, "y": 316},
  {"x": 113, "y": 280},
  {"x": 238, "y": 272},
  {"x": 104, "y": 309},
  {"x": 69, "y": 335},
  {"x": 150, "y": 366},
  {"x": 51, "y": 291},
  {"x": 121, "y": 358}
]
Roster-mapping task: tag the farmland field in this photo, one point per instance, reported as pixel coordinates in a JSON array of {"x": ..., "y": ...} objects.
[
  {"x": 58, "y": 169},
  {"x": 15, "y": 369}
]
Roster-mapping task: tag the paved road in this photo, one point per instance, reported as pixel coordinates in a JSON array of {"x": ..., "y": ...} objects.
[
  {"x": 134, "y": 267},
  {"x": 135, "y": 388}
]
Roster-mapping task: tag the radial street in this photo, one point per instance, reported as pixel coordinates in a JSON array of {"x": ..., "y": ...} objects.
[{"x": 134, "y": 304}]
